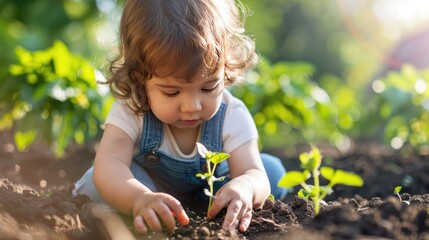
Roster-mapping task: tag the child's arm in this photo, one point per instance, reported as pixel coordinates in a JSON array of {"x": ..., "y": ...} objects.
[
  {"x": 248, "y": 188},
  {"x": 118, "y": 187}
]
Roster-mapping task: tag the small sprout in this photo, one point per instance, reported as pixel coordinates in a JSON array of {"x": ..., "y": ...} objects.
[
  {"x": 397, "y": 191},
  {"x": 310, "y": 163},
  {"x": 213, "y": 159},
  {"x": 271, "y": 197}
]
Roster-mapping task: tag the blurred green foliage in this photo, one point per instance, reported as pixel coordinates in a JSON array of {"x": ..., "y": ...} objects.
[
  {"x": 299, "y": 30},
  {"x": 36, "y": 25},
  {"x": 313, "y": 84},
  {"x": 48, "y": 92},
  {"x": 398, "y": 110},
  {"x": 289, "y": 107},
  {"x": 51, "y": 94}
]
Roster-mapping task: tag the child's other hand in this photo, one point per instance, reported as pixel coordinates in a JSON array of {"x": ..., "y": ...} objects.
[
  {"x": 238, "y": 196},
  {"x": 150, "y": 209}
]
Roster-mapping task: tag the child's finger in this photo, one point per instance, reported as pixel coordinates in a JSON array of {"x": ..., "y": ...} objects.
[
  {"x": 139, "y": 225},
  {"x": 177, "y": 210},
  {"x": 218, "y": 204},
  {"x": 166, "y": 216},
  {"x": 232, "y": 214},
  {"x": 245, "y": 221},
  {"x": 152, "y": 220},
  {"x": 182, "y": 217}
]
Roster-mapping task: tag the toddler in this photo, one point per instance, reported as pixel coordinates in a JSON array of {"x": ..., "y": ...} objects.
[{"x": 176, "y": 58}]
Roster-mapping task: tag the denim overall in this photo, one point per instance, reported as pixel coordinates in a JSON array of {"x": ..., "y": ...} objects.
[
  {"x": 177, "y": 176},
  {"x": 161, "y": 173}
]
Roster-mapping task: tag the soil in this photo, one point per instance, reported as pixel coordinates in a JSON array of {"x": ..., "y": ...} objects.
[{"x": 36, "y": 201}]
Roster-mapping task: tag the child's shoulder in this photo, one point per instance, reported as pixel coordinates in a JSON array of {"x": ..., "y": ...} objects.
[
  {"x": 124, "y": 118},
  {"x": 231, "y": 101}
]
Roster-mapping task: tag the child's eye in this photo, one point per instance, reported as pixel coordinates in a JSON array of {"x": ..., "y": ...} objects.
[
  {"x": 207, "y": 90},
  {"x": 170, "y": 94}
]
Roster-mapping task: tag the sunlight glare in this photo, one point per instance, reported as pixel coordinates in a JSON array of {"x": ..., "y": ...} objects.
[
  {"x": 378, "y": 86},
  {"x": 396, "y": 143},
  {"x": 402, "y": 14},
  {"x": 420, "y": 86}
]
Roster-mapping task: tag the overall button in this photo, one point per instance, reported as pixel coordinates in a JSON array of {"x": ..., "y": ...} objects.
[
  {"x": 151, "y": 158},
  {"x": 204, "y": 167}
]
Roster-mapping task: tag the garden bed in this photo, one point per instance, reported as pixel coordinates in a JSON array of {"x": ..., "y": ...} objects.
[{"x": 36, "y": 202}]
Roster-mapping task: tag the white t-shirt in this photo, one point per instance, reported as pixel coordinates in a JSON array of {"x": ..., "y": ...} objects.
[{"x": 238, "y": 127}]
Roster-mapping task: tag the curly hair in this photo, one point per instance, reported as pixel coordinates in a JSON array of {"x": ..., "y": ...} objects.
[{"x": 178, "y": 38}]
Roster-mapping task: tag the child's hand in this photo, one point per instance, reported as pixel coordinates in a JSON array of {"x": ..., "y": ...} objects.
[
  {"x": 150, "y": 209},
  {"x": 238, "y": 196}
]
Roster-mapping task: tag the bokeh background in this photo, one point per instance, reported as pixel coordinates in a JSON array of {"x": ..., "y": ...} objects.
[{"x": 332, "y": 72}]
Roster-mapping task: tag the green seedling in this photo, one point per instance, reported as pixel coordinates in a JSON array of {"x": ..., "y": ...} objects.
[
  {"x": 397, "y": 191},
  {"x": 213, "y": 159},
  {"x": 310, "y": 163}
]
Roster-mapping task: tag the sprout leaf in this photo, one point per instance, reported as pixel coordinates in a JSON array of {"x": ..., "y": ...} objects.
[
  {"x": 346, "y": 178},
  {"x": 291, "y": 179},
  {"x": 398, "y": 189},
  {"x": 217, "y": 158}
]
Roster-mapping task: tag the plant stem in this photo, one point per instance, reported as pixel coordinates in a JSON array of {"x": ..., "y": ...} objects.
[
  {"x": 210, "y": 198},
  {"x": 399, "y": 196},
  {"x": 211, "y": 171},
  {"x": 316, "y": 198},
  {"x": 305, "y": 186},
  {"x": 209, "y": 167}
]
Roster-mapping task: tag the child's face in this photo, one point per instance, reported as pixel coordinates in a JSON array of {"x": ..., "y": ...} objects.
[{"x": 184, "y": 104}]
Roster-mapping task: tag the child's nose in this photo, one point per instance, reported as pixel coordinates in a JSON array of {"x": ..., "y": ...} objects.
[{"x": 191, "y": 104}]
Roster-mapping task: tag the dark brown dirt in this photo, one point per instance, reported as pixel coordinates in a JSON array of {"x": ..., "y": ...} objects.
[{"x": 36, "y": 202}]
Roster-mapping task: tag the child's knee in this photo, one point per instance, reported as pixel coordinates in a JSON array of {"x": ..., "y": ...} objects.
[
  {"x": 275, "y": 170},
  {"x": 273, "y": 166},
  {"x": 85, "y": 185}
]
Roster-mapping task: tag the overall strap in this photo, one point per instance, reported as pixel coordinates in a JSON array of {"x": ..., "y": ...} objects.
[
  {"x": 211, "y": 132},
  {"x": 152, "y": 133}
]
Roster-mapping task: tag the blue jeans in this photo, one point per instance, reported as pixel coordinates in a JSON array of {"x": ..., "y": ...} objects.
[{"x": 275, "y": 170}]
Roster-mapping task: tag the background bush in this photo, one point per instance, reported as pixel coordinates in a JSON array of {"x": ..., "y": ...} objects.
[
  {"x": 51, "y": 95},
  {"x": 318, "y": 82}
]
